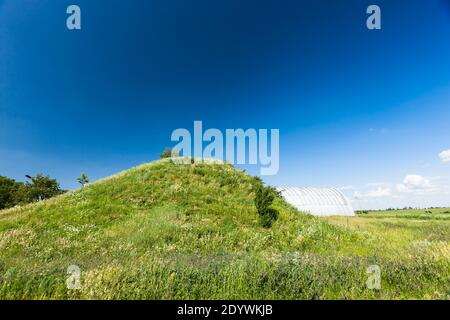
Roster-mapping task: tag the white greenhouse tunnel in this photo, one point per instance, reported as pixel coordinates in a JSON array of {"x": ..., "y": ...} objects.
[{"x": 318, "y": 201}]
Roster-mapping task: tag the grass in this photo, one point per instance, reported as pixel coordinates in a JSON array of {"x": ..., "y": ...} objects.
[
  {"x": 418, "y": 214},
  {"x": 403, "y": 233},
  {"x": 191, "y": 231}
]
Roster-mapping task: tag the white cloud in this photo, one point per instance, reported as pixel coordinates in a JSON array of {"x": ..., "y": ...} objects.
[
  {"x": 401, "y": 187},
  {"x": 445, "y": 155},
  {"x": 379, "y": 192},
  {"x": 413, "y": 191},
  {"x": 414, "y": 182}
]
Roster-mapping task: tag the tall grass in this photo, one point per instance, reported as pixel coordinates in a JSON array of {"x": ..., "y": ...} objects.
[{"x": 167, "y": 231}]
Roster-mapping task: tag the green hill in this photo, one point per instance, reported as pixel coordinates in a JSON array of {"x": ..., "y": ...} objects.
[{"x": 191, "y": 231}]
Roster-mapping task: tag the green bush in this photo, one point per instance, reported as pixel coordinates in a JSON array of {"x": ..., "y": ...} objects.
[
  {"x": 8, "y": 192},
  {"x": 41, "y": 188},
  {"x": 167, "y": 153},
  {"x": 264, "y": 196}
]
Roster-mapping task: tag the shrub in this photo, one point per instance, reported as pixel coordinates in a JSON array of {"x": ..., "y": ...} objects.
[
  {"x": 167, "y": 153},
  {"x": 8, "y": 192},
  {"x": 264, "y": 196}
]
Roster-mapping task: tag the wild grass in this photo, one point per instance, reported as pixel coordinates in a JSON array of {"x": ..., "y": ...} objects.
[
  {"x": 418, "y": 214},
  {"x": 191, "y": 231}
]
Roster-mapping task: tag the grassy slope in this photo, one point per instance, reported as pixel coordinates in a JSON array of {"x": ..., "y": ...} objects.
[{"x": 191, "y": 231}]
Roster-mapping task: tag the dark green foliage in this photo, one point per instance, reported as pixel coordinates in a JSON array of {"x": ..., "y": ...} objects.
[
  {"x": 14, "y": 193},
  {"x": 83, "y": 179},
  {"x": 263, "y": 199},
  {"x": 40, "y": 188},
  {"x": 268, "y": 218},
  {"x": 8, "y": 192},
  {"x": 264, "y": 196},
  {"x": 21, "y": 195}
]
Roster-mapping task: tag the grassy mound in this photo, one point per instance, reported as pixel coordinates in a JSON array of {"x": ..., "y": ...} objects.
[{"x": 191, "y": 231}]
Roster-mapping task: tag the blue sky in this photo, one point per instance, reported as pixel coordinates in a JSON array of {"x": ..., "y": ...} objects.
[{"x": 365, "y": 111}]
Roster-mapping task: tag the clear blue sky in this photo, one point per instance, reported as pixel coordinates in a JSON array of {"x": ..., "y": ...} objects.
[{"x": 357, "y": 109}]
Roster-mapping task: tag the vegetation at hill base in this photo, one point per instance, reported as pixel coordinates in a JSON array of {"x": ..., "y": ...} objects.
[
  {"x": 192, "y": 231},
  {"x": 39, "y": 188}
]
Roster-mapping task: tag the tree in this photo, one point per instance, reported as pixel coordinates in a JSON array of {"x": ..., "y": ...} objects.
[
  {"x": 8, "y": 192},
  {"x": 83, "y": 179},
  {"x": 41, "y": 187},
  {"x": 167, "y": 153}
]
